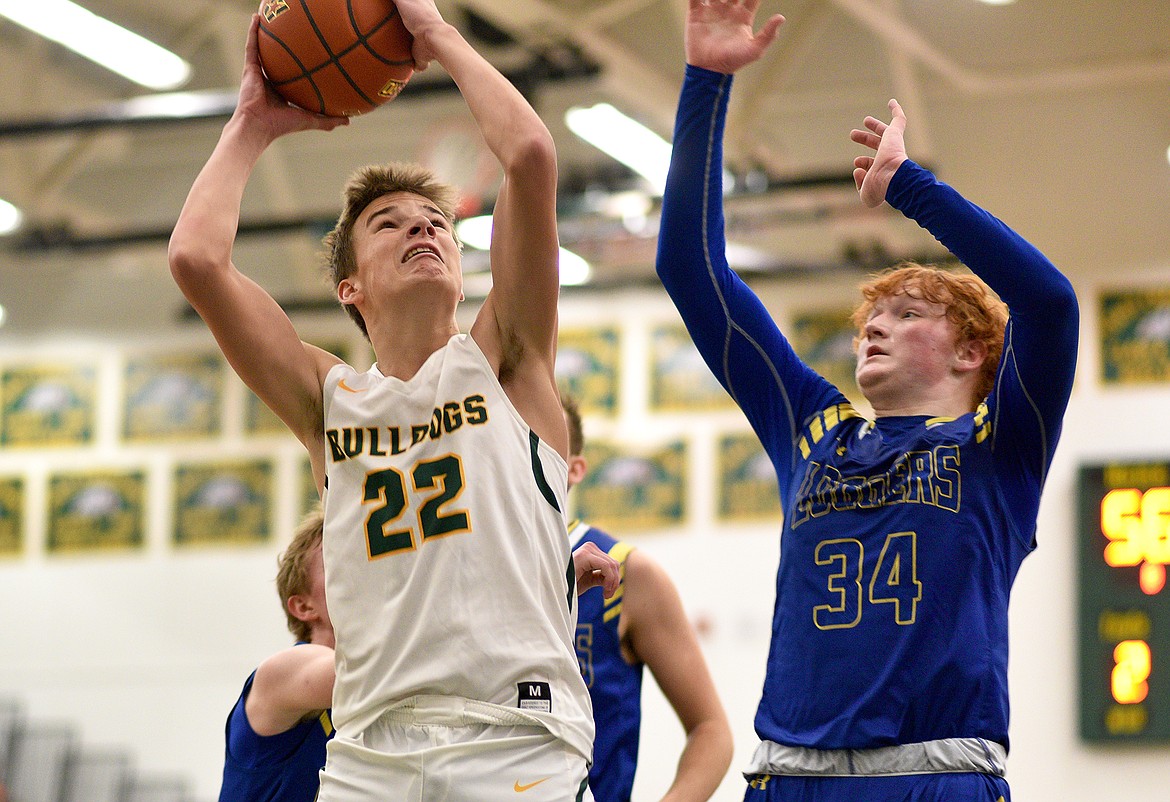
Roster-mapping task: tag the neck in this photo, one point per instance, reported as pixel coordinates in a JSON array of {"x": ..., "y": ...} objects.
[
  {"x": 951, "y": 404},
  {"x": 404, "y": 338}
]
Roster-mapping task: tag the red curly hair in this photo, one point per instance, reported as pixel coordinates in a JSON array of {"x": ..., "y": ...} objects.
[{"x": 976, "y": 312}]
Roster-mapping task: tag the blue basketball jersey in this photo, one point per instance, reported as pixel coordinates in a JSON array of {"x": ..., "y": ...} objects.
[
  {"x": 615, "y": 686},
  {"x": 901, "y": 536},
  {"x": 272, "y": 768}
]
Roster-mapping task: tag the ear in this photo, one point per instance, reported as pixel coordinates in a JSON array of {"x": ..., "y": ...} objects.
[
  {"x": 578, "y": 467},
  {"x": 970, "y": 355},
  {"x": 301, "y": 608},
  {"x": 347, "y": 289}
]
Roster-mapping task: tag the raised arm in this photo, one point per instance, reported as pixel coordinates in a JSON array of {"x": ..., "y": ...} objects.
[
  {"x": 517, "y": 325},
  {"x": 659, "y": 634},
  {"x": 731, "y": 328},
  {"x": 1040, "y": 345},
  {"x": 253, "y": 331}
]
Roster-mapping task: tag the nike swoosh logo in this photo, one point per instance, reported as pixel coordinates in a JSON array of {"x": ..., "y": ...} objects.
[
  {"x": 518, "y": 788},
  {"x": 349, "y": 389}
]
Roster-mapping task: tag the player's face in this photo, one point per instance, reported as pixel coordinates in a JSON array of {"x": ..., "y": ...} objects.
[
  {"x": 907, "y": 347},
  {"x": 402, "y": 240}
]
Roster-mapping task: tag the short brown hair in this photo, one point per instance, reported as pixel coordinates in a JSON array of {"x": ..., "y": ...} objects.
[
  {"x": 363, "y": 188},
  {"x": 292, "y": 575},
  {"x": 976, "y": 312},
  {"x": 576, "y": 430}
]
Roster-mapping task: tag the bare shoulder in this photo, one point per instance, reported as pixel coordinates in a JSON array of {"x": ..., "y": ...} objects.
[
  {"x": 650, "y": 595},
  {"x": 287, "y": 661}
]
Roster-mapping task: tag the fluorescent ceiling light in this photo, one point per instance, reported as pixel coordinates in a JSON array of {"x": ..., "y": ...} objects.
[
  {"x": 575, "y": 271},
  {"x": 623, "y": 139},
  {"x": 10, "y": 217},
  {"x": 999, "y": 2},
  {"x": 476, "y": 232},
  {"x": 179, "y": 105},
  {"x": 745, "y": 257},
  {"x": 100, "y": 40},
  {"x": 2, "y": 315}
]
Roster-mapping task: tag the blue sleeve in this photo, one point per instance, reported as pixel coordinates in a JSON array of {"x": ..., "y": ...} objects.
[
  {"x": 730, "y": 326},
  {"x": 1036, "y": 370}
]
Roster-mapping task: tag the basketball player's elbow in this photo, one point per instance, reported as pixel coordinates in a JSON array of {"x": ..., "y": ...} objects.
[
  {"x": 532, "y": 153},
  {"x": 191, "y": 261}
]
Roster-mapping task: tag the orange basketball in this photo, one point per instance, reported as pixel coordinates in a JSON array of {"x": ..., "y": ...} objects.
[{"x": 335, "y": 57}]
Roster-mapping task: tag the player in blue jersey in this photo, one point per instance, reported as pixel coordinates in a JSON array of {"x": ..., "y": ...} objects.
[
  {"x": 887, "y": 672},
  {"x": 642, "y": 624},
  {"x": 277, "y": 730}
]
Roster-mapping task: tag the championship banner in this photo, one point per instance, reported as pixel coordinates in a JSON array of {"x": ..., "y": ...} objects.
[
  {"x": 680, "y": 380},
  {"x": 626, "y": 491},
  {"x": 223, "y": 502},
  {"x": 96, "y": 511},
  {"x": 587, "y": 368},
  {"x": 747, "y": 481},
  {"x": 11, "y": 516},
  {"x": 47, "y": 405},
  {"x": 1135, "y": 336},
  {"x": 824, "y": 340},
  {"x": 173, "y": 397}
]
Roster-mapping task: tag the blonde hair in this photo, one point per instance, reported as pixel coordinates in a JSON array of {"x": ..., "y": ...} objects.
[
  {"x": 363, "y": 188},
  {"x": 292, "y": 575},
  {"x": 976, "y": 312}
]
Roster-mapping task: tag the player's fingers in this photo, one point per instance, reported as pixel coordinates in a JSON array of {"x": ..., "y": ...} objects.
[
  {"x": 865, "y": 138},
  {"x": 770, "y": 29},
  {"x": 252, "y": 46},
  {"x": 329, "y": 123}
]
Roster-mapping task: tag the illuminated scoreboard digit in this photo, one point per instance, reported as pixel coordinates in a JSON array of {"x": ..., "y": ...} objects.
[{"x": 1123, "y": 553}]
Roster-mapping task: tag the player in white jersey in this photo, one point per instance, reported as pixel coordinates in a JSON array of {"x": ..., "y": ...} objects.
[{"x": 446, "y": 555}]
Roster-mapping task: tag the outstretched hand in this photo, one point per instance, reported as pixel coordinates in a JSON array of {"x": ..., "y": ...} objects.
[
  {"x": 721, "y": 37},
  {"x": 872, "y": 174},
  {"x": 594, "y": 567},
  {"x": 259, "y": 101}
]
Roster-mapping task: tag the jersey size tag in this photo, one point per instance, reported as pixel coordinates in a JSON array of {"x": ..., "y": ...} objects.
[{"x": 535, "y": 696}]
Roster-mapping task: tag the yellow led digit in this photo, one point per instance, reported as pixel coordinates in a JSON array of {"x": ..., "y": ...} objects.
[
  {"x": 1130, "y": 671},
  {"x": 1121, "y": 522},
  {"x": 1156, "y": 524}
]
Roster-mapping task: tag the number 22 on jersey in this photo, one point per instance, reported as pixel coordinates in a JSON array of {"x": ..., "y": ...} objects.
[{"x": 436, "y": 483}]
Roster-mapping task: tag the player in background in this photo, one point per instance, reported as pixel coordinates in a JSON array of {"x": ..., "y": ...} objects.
[
  {"x": 887, "y": 672},
  {"x": 442, "y": 468},
  {"x": 277, "y": 730},
  {"x": 643, "y": 624}
]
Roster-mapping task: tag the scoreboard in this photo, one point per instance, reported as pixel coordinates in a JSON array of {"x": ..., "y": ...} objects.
[{"x": 1124, "y": 602}]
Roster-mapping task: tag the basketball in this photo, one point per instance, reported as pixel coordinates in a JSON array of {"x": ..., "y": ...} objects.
[{"x": 335, "y": 57}]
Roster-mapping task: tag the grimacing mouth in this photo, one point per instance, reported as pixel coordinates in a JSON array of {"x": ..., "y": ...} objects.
[{"x": 417, "y": 249}]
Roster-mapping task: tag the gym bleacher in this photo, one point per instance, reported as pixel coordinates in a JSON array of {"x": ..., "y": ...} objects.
[{"x": 47, "y": 761}]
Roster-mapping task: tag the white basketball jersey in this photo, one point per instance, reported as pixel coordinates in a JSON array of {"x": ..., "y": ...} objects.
[{"x": 448, "y": 568}]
